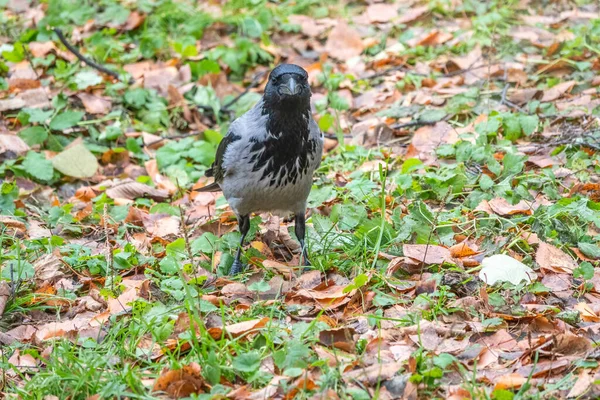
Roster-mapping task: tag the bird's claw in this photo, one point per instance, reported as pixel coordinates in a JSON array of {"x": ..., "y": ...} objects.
[
  {"x": 236, "y": 268},
  {"x": 305, "y": 262}
]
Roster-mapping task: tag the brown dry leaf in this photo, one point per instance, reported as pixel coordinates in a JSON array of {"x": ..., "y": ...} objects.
[
  {"x": 510, "y": 381},
  {"x": 4, "y": 295},
  {"x": 545, "y": 368},
  {"x": 554, "y": 259},
  {"x": 20, "y": 84},
  {"x": 34, "y": 98},
  {"x": 340, "y": 338},
  {"x": 373, "y": 374},
  {"x": 239, "y": 329},
  {"x": 134, "y": 20},
  {"x": 586, "y": 312},
  {"x": 310, "y": 280},
  {"x": 60, "y": 329},
  {"x": 502, "y": 207},
  {"x": 12, "y": 144},
  {"x": 463, "y": 249},
  {"x": 159, "y": 180},
  {"x": 95, "y": 104},
  {"x": 428, "y": 254},
  {"x": 182, "y": 382},
  {"x": 130, "y": 294},
  {"x": 557, "y": 91},
  {"x": 48, "y": 269},
  {"x": 41, "y": 49},
  {"x": 522, "y": 96},
  {"x": 344, "y": 42},
  {"x": 412, "y": 14},
  {"x": 428, "y": 138},
  {"x": 131, "y": 190},
  {"x": 381, "y": 12},
  {"x": 568, "y": 344},
  {"x": 12, "y": 227},
  {"x": 582, "y": 384},
  {"x": 278, "y": 267},
  {"x": 22, "y": 361},
  {"x": 309, "y": 26}
]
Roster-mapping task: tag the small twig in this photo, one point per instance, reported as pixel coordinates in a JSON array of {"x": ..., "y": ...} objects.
[
  {"x": 413, "y": 123},
  {"x": 503, "y": 99},
  {"x": 255, "y": 82},
  {"x": 109, "y": 252},
  {"x": 420, "y": 123},
  {"x": 333, "y": 136},
  {"x": 182, "y": 136},
  {"x": 83, "y": 58}
]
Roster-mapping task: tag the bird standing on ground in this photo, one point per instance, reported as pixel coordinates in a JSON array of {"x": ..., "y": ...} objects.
[{"x": 266, "y": 161}]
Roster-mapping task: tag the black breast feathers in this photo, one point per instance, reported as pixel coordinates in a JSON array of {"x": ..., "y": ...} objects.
[{"x": 286, "y": 150}]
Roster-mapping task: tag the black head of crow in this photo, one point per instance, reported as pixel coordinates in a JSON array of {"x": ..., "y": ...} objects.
[{"x": 287, "y": 89}]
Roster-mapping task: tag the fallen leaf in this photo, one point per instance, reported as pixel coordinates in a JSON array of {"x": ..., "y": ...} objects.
[
  {"x": 509, "y": 381},
  {"x": 582, "y": 384},
  {"x": 557, "y": 91},
  {"x": 554, "y": 259},
  {"x": 586, "y": 312},
  {"x": 340, "y": 338},
  {"x": 374, "y": 374},
  {"x": 344, "y": 42},
  {"x": 502, "y": 207},
  {"x": 568, "y": 344},
  {"x": 48, "y": 269},
  {"x": 381, "y": 12},
  {"x": 278, "y": 267},
  {"x": 76, "y": 161},
  {"x": 41, "y": 49},
  {"x": 412, "y": 14},
  {"x": 4, "y": 295},
  {"x": 179, "y": 383},
  {"x": 428, "y": 254},
  {"x": 34, "y": 98},
  {"x": 95, "y": 104},
  {"x": 428, "y": 138},
  {"x": 13, "y": 145},
  {"x": 134, "y": 20},
  {"x": 23, "y": 362},
  {"x": 309, "y": 26},
  {"x": 503, "y": 268},
  {"x": 239, "y": 329},
  {"x": 131, "y": 190},
  {"x": 461, "y": 250}
]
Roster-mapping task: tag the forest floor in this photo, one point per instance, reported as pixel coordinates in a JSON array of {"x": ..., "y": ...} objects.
[{"x": 454, "y": 224}]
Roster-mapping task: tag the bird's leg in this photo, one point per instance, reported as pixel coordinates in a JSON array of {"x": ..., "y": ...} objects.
[
  {"x": 244, "y": 224},
  {"x": 300, "y": 228}
]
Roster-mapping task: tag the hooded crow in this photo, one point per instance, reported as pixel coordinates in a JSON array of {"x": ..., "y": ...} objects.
[{"x": 266, "y": 161}]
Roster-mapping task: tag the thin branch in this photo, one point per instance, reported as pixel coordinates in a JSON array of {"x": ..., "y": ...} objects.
[
  {"x": 503, "y": 99},
  {"x": 255, "y": 82},
  {"x": 420, "y": 123},
  {"x": 182, "y": 136},
  {"x": 413, "y": 123},
  {"x": 83, "y": 58}
]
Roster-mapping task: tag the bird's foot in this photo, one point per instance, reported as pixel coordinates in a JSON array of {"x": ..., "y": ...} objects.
[
  {"x": 236, "y": 268},
  {"x": 305, "y": 262}
]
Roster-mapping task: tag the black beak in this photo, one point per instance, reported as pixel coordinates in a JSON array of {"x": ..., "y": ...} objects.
[{"x": 291, "y": 88}]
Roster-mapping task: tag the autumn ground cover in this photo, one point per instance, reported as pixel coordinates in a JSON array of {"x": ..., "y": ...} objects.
[{"x": 454, "y": 223}]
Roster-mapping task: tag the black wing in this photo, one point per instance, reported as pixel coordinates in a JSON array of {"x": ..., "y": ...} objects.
[{"x": 216, "y": 170}]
